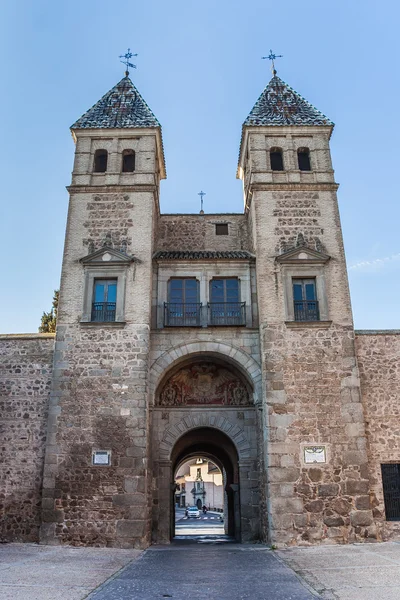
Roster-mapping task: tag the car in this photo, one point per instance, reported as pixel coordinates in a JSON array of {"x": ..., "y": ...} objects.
[{"x": 192, "y": 511}]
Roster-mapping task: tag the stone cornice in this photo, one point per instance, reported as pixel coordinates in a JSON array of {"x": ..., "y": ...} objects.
[
  {"x": 107, "y": 189},
  {"x": 293, "y": 187}
]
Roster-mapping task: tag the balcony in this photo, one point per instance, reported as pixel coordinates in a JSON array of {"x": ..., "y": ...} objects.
[
  {"x": 218, "y": 314},
  {"x": 306, "y": 310},
  {"x": 103, "y": 311},
  {"x": 226, "y": 313},
  {"x": 182, "y": 315}
]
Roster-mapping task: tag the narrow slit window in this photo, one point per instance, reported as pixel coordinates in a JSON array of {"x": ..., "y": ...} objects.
[
  {"x": 221, "y": 229},
  {"x": 303, "y": 157},
  {"x": 128, "y": 161},
  {"x": 100, "y": 161},
  {"x": 276, "y": 159}
]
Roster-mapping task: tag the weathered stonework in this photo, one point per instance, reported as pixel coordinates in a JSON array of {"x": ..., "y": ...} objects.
[
  {"x": 25, "y": 376},
  {"x": 258, "y": 397},
  {"x": 378, "y": 355}
]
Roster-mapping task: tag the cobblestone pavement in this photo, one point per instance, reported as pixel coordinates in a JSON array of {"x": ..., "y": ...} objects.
[
  {"x": 353, "y": 572},
  {"x": 205, "y": 572},
  {"x": 33, "y": 572}
]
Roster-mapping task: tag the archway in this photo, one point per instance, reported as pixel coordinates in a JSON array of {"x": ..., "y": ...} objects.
[
  {"x": 203, "y": 405},
  {"x": 218, "y": 448}
]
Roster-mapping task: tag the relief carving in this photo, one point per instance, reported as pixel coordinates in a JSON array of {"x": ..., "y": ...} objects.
[{"x": 204, "y": 384}]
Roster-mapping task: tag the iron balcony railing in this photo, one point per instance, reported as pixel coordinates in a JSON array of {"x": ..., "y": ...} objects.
[
  {"x": 306, "y": 310},
  {"x": 103, "y": 311},
  {"x": 182, "y": 315},
  {"x": 226, "y": 313}
]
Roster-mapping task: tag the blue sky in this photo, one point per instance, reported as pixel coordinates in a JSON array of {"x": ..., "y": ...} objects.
[{"x": 200, "y": 71}]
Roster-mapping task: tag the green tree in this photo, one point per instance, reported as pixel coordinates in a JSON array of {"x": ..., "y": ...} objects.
[{"x": 49, "y": 319}]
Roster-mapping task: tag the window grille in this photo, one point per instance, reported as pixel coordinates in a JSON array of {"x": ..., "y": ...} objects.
[{"x": 391, "y": 491}]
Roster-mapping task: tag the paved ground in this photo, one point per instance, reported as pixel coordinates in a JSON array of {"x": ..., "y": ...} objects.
[
  {"x": 205, "y": 572},
  {"x": 32, "y": 572},
  {"x": 355, "y": 572},
  {"x": 199, "y": 571}
]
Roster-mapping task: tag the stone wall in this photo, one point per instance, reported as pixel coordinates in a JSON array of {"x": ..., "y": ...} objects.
[
  {"x": 25, "y": 375},
  {"x": 378, "y": 355},
  {"x": 197, "y": 232}
]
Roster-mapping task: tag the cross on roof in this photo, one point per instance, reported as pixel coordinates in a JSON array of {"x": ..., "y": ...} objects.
[
  {"x": 126, "y": 62},
  {"x": 202, "y": 194},
  {"x": 271, "y": 56}
]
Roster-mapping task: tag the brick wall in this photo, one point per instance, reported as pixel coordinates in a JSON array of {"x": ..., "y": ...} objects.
[
  {"x": 25, "y": 374},
  {"x": 378, "y": 355}
]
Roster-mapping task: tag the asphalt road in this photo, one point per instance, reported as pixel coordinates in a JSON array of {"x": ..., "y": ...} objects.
[
  {"x": 207, "y": 524},
  {"x": 205, "y": 572}
]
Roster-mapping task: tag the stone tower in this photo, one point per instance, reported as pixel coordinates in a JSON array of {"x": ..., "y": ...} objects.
[
  {"x": 95, "y": 488},
  {"x": 314, "y": 435}
]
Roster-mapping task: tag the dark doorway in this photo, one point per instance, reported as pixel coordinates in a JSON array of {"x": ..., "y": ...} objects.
[{"x": 218, "y": 448}]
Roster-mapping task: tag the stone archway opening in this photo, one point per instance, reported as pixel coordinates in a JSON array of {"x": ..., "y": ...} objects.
[
  {"x": 203, "y": 406},
  {"x": 206, "y": 443}
]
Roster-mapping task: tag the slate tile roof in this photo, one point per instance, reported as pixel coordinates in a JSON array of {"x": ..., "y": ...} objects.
[
  {"x": 122, "y": 106},
  {"x": 202, "y": 255},
  {"x": 279, "y": 104}
]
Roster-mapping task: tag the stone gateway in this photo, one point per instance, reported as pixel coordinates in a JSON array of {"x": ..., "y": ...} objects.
[{"x": 228, "y": 336}]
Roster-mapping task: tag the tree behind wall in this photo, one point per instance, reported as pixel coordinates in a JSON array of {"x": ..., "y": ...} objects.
[{"x": 49, "y": 319}]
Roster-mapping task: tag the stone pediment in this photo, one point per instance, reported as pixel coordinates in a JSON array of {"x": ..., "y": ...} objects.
[
  {"x": 107, "y": 256},
  {"x": 303, "y": 255}
]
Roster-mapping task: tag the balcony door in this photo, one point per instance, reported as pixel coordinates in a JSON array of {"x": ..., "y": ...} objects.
[
  {"x": 104, "y": 300},
  {"x": 305, "y": 300},
  {"x": 225, "y": 307},
  {"x": 183, "y": 307}
]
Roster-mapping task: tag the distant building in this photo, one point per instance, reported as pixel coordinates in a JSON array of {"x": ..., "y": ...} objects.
[{"x": 200, "y": 483}]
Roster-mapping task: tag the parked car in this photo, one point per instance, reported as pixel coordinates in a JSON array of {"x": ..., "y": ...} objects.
[{"x": 192, "y": 511}]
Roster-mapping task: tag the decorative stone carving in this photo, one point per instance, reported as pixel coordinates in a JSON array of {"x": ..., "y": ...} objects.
[{"x": 204, "y": 384}]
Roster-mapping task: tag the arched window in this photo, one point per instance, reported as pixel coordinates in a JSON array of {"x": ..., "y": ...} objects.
[
  {"x": 276, "y": 159},
  {"x": 100, "y": 161},
  {"x": 303, "y": 157},
  {"x": 128, "y": 161}
]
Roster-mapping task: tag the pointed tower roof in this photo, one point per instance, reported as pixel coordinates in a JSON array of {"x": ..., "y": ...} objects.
[
  {"x": 279, "y": 104},
  {"x": 121, "y": 107}
]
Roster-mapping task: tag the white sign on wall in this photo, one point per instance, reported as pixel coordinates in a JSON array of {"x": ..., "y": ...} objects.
[
  {"x": 101, "y": 457},
  {"x": 314, "y": 454}
]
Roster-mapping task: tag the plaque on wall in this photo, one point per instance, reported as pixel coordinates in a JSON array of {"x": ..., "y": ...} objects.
[
  {"x": 314, "y": 454},
  {"x": 101, "y": 457}
]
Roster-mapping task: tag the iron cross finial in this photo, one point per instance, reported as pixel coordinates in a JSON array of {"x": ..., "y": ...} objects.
[
  {"x": 202, "y": 194},
  {"x": 272, "y": 58},
  {"x": 127, "y": 62}
]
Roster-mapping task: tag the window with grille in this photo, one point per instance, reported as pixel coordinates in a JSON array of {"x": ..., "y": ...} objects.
[
  {"x": 305, "y": 300},
  {"x": 104, "y": 300},
  {"x": 183, "y": 307},
  {"x": 391, "y": 490}
]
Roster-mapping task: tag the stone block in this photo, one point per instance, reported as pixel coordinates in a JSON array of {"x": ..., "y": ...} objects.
[
  {"x": 361, "y": 518},
  {"x": 287, "y": 474},
  {"x": 341, "y": 506},
  {"x": 328, "y": 489},
  {"x": 315, "y": 506},
  {"x": 131, "y": 529},
  {"x": 363, "y": 503},
  {"x": 354, "y": 487}
]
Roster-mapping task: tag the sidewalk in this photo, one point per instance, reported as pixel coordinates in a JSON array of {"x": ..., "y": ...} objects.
[
  {"x": 33, "y": 572},
  {"x": 353, "y": 572}
]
